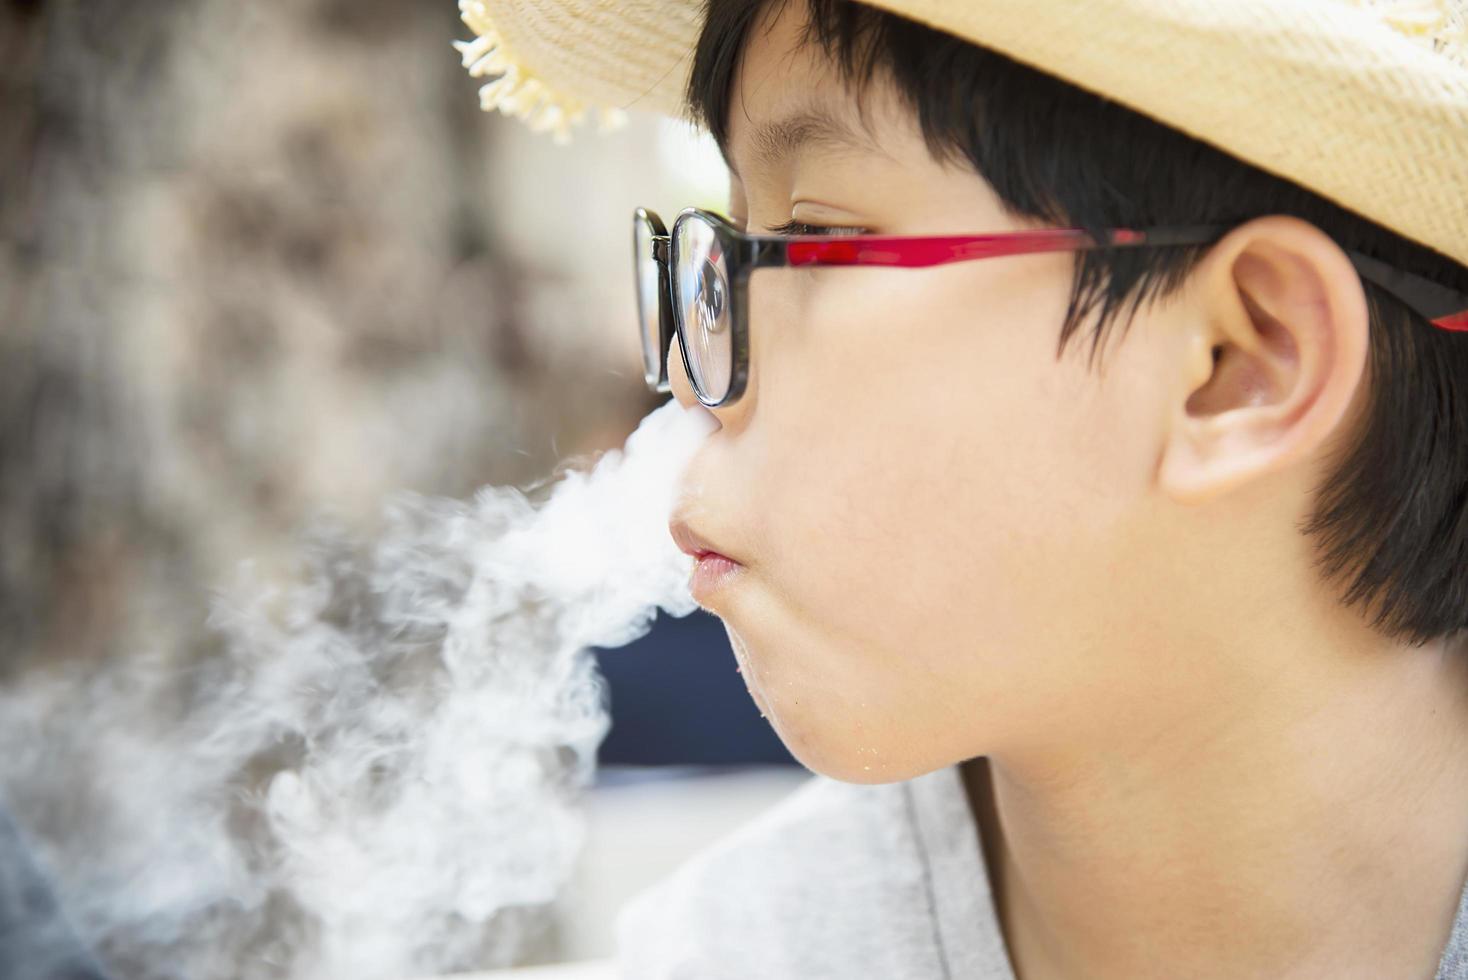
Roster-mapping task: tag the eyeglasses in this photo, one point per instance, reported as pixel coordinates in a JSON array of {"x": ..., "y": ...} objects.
[{"x": 695, "y": 281}]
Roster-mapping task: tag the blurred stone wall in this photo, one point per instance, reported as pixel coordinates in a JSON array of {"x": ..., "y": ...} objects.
[
  {"x": 262, "y": 266},
  {"x": 264, "y": 262}
]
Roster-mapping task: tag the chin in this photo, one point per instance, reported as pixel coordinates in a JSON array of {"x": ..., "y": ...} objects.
[
  {"x": 828, "y": 754},
  {"x": 828, "y": 736},
  {"x": 852, "y": 770}
]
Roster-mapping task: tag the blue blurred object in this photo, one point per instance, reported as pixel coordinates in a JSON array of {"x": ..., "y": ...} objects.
[
  {"x": 36, "y": 941},
  {"x": 677, "y": 698}
]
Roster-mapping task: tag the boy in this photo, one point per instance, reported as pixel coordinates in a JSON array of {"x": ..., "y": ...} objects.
[{"x": 1140, "y": 658}]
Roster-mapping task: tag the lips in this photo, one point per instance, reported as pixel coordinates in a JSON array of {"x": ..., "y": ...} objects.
[
  {"x": 713, "y": 571},
  {"x": 692, "y": 543}
]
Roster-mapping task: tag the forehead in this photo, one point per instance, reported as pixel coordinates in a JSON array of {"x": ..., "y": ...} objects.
[{"x": 789, "y": 99}]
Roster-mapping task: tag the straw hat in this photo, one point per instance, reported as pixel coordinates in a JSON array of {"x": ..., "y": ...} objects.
[{"x": 1363, "y": 101}]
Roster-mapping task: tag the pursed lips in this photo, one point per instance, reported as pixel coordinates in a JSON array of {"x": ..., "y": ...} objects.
[{"x": 690, "y": 542}]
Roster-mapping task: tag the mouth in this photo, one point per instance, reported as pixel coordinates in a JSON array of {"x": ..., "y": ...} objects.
[{"x": 712, "y": 569}]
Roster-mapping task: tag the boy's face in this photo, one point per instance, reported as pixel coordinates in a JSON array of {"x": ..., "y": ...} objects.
[{"x": 949, "y": 536}]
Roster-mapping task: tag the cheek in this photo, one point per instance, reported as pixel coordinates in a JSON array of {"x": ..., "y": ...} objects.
[
  {"x": 929, "y": 506},
  {"x": 918, "y": 456}
]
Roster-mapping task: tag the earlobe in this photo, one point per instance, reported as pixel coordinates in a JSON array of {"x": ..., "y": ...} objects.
[{"x": 1275, "y": 352}]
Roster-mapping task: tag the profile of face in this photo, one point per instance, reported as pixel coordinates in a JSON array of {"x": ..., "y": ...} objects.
[{"x": 955, "y": 542}]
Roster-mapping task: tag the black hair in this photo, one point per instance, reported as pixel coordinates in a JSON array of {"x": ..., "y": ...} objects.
[{"x": 1391, "y": 516}]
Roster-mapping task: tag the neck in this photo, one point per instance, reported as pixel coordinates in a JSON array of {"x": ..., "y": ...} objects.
[{"x": 1318, "y": 827}]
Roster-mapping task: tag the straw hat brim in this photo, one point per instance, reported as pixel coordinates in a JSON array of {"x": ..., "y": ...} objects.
[{"x": 1365, "y": 103}]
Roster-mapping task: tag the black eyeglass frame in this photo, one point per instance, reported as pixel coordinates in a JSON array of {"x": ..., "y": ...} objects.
[{"x": 743, "y": 253}]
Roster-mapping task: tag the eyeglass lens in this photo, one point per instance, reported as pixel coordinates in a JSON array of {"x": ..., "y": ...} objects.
[{"x": 702, "y": 306}]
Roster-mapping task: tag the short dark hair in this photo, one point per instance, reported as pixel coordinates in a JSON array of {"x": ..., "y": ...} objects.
[{"x": 1391, "y": 517}]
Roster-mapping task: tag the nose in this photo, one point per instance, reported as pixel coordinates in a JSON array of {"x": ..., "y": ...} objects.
[
  {"x": 678, "y": 378},
  {"x": 683, "y": 390}
]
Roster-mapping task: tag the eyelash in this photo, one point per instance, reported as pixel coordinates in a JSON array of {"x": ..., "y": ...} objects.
[{"x": 799, "y": 228}]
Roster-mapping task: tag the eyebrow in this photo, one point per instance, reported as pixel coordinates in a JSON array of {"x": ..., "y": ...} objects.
[{"x": 772, "y": 143}]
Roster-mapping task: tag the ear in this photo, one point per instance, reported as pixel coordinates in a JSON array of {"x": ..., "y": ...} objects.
[{"x": 1275, "y": 348}]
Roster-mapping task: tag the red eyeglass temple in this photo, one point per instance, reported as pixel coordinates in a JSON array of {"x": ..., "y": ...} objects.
[{"x": 920, "y": 252}]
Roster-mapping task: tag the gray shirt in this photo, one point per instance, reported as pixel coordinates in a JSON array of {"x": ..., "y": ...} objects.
[{"x": 845, "y": 880}]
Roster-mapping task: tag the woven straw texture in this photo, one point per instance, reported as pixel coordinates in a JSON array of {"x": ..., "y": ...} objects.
[{"x": 1363, "y": 101}]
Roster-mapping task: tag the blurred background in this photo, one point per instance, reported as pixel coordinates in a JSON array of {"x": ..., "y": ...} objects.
[{"x": 266, "y": 264}]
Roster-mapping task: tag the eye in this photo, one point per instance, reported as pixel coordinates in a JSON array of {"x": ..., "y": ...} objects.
[
  {"x": 797, "y": 228},
  {"x": 709, "y": 298}
]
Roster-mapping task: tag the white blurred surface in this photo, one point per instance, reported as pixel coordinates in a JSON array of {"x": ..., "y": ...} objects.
[
  {"x": 641, "y": 824},
  {"x": 601, "y": 969}
]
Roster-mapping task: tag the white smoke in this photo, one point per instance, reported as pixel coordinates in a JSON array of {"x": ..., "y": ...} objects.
[{"x": 377, "y": 775}]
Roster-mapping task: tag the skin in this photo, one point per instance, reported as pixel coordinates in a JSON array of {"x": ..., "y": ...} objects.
[{"x": 1186, "y": 757}]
